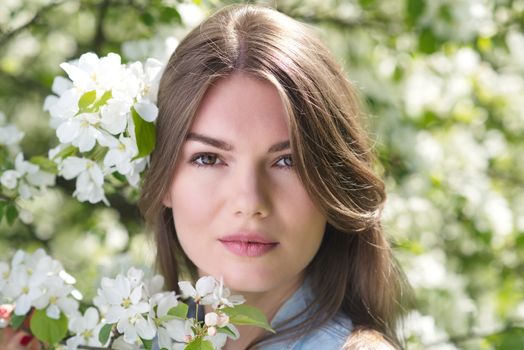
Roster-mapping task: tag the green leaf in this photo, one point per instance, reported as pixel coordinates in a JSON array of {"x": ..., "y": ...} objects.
[
  {"x": 119, "y": 177},
  {"x": 47, "y": 329},
  {"x": 179, "y": 311},
  {"x": 366, "y": 3},
  {"x": 199, "y": 344},
  {"x": 88, "y": 103},
  {"x": 86, "y": 100},
  {"x": 147, "y": 18},
  {"x": 145, "y": 133},
  {"x": 148, "y": 343},
  {"x": 3, "y": 205},
  {"x": 45, "y": 164},
  {"x": 168, "y": 14},
  {"x": 16, "y": 321},
  {"x": 227, "y": 331},
  {"x": 427, "y": 42},
  {"x": 446, "y": 13},
  {"x": 104, "y": 334},
  {"x": 414, "y": 9},
  {"x": 247, "y": 315},
  {"x": 103, "y": 100},
  {"x": 11, "y": 213},
  {"x": 511, "y": 339},
  {"x": 66, "y": 152}
]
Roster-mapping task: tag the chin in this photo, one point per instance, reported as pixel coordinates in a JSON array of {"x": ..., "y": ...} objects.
[{"x": 248, "y": 280}]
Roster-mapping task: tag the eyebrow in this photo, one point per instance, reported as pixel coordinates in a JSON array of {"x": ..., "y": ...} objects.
[{"x": 192, "y": 136}]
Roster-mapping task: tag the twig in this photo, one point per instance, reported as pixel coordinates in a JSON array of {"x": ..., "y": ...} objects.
[{"x": 10, "y": 34}]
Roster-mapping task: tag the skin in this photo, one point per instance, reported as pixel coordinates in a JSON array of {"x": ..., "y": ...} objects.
[
  {"x": 11, "y": 339},
  {"x": 238, "y": 184}
]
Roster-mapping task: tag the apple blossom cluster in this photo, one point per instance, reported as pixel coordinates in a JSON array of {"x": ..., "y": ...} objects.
[
  {"x": 38, "y": 281},
  {"x": 129, "y": 311},
  {"x": 104, "y": 119},
  {"x": 19, "y": 178},
  {"x": 141, "y": 312}
]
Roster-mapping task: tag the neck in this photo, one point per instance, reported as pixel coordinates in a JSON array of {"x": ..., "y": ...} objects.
[{"x": 269, "y": 302}]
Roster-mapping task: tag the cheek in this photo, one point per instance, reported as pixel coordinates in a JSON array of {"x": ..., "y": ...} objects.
[
  {"x": 301, "y": 213},
  {"x": 194, "y": 206}
]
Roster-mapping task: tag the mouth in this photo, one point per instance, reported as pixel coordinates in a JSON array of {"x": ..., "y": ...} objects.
[{"x": 248, "y": 245}]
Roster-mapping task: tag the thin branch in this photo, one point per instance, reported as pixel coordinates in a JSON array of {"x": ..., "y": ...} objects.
[{"x": 12, "y": 33}]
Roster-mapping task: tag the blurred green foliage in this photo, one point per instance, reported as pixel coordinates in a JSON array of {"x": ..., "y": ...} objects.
[{"x": 444, "y": 84}]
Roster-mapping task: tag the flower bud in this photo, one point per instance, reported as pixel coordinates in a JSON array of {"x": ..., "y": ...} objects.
[
  {"x": 211, "y": 331},
  {"x": 223, "y": 320},
  {"x": 5, "y": 315},
  {"x": 211, "y": 319}
]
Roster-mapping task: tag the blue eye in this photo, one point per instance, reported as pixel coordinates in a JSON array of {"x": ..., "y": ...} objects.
[
  {"x": 205, "y": 159},
  {"x": 285, "y": 162}
]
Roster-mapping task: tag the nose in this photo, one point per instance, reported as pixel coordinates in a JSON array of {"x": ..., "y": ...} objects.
[{"x": 250, "y": 193}]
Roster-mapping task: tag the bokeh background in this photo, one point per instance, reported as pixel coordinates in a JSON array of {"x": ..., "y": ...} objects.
[{"x": 444, "y": 84}]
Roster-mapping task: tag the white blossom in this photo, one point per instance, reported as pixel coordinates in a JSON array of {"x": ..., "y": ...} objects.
[
  {"x": 80, "y": 131},
  {"x": 162, "y": 303},
  {"x": 27, "y": 177},
  {"x": 222, "y": 297},
  {"x": 86, "y": 329},
  {"x": 115, "y": 114},
  {"x": 23, "y": 289},
  {"x": 120, "y": 157},
  {"x": 37, "y": 280},
  {"x": 103, "y": 120},
  {"x": 125, "y": 307},
  {"x": 9, "y": 179},
  {"x": 89, "y": 178},
  {"x": 57, "y": 299},
  {"x": 93, "y": 73},
  {"x": 203, "y": 293},
  {"x": 181, "y": 332},
  {"x": 10, "y": 135},
  {"x": 4, "y": 274},
  {"x": 62, "y": 108},
  {"x": 121, "y": 344}
]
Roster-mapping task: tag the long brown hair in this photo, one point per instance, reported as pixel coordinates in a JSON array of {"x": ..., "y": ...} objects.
[{"x": 353, "y": 272}]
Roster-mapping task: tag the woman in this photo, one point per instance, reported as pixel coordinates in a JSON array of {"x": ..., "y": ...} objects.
[{"x": 262, "y": 174}]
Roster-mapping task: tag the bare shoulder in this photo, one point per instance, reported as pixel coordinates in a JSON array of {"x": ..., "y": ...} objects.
[{"x": 367, "y": 339}]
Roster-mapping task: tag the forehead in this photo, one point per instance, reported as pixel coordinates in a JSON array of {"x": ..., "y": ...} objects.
[{"x": 239, "y": 104}]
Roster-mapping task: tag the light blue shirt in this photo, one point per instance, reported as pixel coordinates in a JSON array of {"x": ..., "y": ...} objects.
[{"x": 331, "y": 336}]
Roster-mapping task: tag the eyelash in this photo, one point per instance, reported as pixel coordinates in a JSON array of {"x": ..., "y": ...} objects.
[
  {"x": 196, "y": 160},
  {"x": 286, "y": 156}
]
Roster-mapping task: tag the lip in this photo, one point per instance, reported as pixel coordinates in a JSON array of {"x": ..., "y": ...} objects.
[{"x": 248, "y": 244}]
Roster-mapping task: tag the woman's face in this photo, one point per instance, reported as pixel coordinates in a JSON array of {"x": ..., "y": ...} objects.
[{"x": 239, "y": 208}]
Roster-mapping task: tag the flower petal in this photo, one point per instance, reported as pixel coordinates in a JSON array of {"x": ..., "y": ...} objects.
[
  {"x": 187, "y": 289},
  {"x": 205, "y": 285},
  {"x": 147, "y": 110}
]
